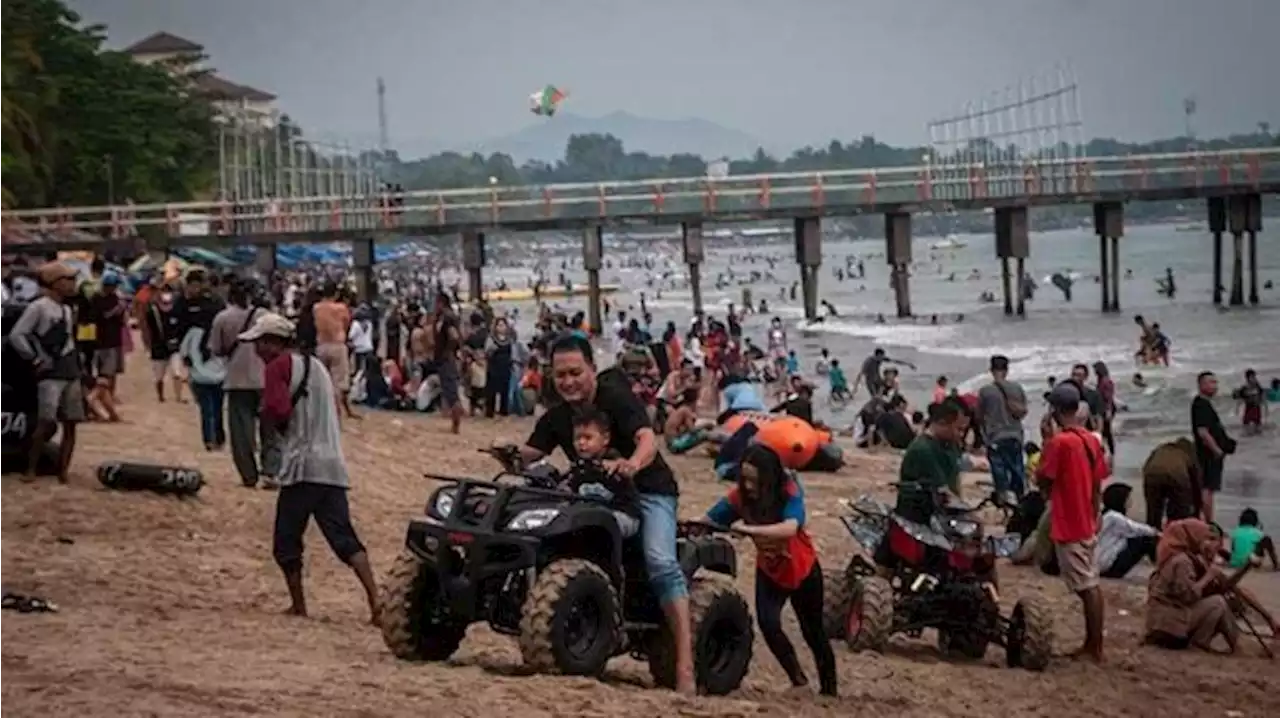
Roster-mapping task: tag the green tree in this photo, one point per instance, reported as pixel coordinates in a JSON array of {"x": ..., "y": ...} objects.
[{"x": 83, "y": 125}]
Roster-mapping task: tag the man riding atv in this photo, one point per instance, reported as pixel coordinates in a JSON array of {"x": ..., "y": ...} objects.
[{"x": 631, "y": 435}]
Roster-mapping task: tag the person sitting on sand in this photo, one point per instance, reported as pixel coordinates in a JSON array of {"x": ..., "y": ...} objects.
[
  {"x": 1248, "y": 540},
  {"x": 300, "y": 401},
  {"x": 1122, "y": 542},
  {"x": 767, "y": 506},
  {"x": 1187, "y": 596}
]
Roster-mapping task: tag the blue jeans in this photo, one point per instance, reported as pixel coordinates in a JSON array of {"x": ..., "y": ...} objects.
[
  {"x": 1008, "y": 470},
  {"x": 515, "y": 397},
  {"x": 209, "y": 401},
  {"x": 658, "y": 534}
]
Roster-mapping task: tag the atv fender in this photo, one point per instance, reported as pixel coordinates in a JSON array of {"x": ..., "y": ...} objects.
[
  {"x": 586, "y": 531},
  {"x": 714, "y": 553}
]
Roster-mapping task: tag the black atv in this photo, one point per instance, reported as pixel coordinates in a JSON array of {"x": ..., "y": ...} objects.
[
  {"x": 941, "y": 576},
  {"x": 550, "y": 567}
]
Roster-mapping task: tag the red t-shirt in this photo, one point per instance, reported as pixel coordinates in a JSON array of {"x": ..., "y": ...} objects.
[
  {"x": 787, "y": 562},
  {"x": 1073, "y": 460}
]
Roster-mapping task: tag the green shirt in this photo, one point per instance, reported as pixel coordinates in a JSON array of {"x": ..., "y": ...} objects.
[
  {"x": 1243, "y": 542},
  {"x": 927, "y": 465}
]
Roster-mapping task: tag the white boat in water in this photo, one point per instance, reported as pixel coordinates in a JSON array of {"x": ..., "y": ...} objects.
[{"x": 951, "y": 242}]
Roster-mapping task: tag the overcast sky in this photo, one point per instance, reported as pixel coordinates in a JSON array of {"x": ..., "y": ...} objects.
[{"x": 790, "y": 73}]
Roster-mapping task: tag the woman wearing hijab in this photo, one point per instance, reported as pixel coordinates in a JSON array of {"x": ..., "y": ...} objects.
[
  {"x": 498, "y": 350},
  {"x": 1187, "y": 595}
]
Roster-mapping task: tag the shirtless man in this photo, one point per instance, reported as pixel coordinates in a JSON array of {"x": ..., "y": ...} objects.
[{"x": 333, "y": 321}]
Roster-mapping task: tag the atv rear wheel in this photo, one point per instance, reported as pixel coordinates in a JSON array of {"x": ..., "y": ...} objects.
[
  {"x": 722, "y": 639},
  {"x": 411, "y": 627},
  {"x": 1030, "y": 639},
  {"x": 837, "y": 598},
  {"x": 869, "y": 622},
  {"x": 571, "y": 621}
]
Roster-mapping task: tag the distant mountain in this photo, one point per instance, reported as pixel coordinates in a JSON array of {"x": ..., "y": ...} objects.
[{"x": 546, "y": 138}]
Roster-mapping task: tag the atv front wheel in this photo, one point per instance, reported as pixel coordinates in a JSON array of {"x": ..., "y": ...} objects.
[
  {"x": 869, "y": 622},
  {"x": 1030, "y": 640},
  {"x": 411, "y": 626},
  {"x": 837, "y": 598},
  {"x": 981, "y": 618},
  {"x": 722, "y": 639},
  {"x": 571, "y": 621}
]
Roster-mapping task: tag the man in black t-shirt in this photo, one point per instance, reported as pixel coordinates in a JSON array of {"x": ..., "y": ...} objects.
[
  {"x": 1212, "y": 442},
  {"x": 631, "y": 435},
  {"x": 448, "y": 338}
]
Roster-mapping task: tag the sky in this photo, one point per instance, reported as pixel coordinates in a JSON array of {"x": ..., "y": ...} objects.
[{"x": 790, "y": 73}]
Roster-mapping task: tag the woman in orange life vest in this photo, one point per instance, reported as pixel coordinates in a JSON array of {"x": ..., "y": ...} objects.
[{"x": 767, "y": 506}]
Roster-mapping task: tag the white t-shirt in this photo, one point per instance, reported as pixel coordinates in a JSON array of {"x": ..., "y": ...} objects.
[{"x": 361, "y": 336}]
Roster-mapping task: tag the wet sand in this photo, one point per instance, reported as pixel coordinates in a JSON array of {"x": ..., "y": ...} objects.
[{"x": 172, "y": 607}]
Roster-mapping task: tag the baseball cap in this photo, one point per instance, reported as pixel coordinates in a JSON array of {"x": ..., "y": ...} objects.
[
  {"x": 1065, "y": 397},
  {"x": 268, "y": 324},
  {"x": 51, "y": 272}
]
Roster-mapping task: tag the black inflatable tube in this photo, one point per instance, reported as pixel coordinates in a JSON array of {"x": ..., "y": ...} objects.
[{"x": 174, "y": 480}]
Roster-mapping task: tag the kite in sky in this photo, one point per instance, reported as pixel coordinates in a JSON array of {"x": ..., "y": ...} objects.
[{"x": 547, "y": 100}]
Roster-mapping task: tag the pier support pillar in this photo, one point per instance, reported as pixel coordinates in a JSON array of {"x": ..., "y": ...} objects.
[
  {"x": 473, "y": 261},
  {"x": 265, "y": 258},
  {"x": 897, "y": 242},
  {"x": 1108, "y": 224},
  {"x": 1237, "y": 221},
  {"x": 1013, "y": 241},
  {"x": 362, "y": 268},
  {"x": 1253, "y": 225},
  {"x": 592, "y": 260},
  {"x": 808, "y": 238},
  {"x": 1217, "y": 225},
  {"x": 1021, "y": 284},
  {"x": 694, "y": 253}
]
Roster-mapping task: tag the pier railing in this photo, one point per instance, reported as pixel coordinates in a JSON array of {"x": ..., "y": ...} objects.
[{"x": 742, "y": 197}]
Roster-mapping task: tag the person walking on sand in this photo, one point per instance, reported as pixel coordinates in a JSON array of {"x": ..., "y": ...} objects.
[
  {"x": 43, "y": 335},
  {"x": 298, "y": 400},
  {"x": 333, "y": 322},
  {"x": 242, "y": 385},
  {"x": 1072, "y": 468},
  {"x": 1002, "y": 405}
]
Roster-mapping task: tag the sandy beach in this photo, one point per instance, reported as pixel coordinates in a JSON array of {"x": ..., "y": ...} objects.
[{"x": 173, "y": 607}]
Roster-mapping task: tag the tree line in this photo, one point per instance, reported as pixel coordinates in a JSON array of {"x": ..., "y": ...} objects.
[{"x": 85, "y": 125}]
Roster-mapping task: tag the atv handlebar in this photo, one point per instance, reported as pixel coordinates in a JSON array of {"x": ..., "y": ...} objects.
[{"x": 696, "y": 528}]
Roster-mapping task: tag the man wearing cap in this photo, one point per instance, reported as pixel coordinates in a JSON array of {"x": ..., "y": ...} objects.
[
  {"x": 44, "y": 336},
  {"x": 1072, "y": 468},
  {"x": 298, "y": 401}
]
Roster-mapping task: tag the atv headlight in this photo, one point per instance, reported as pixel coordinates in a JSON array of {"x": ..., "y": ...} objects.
[
  {"x": 443, "y": 505},
  {"x": 963, "y": 528},
  {"x": 532, "y": 519}
]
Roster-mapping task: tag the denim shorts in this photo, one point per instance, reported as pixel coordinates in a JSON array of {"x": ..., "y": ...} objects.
[{"x": 658, "y": 534}]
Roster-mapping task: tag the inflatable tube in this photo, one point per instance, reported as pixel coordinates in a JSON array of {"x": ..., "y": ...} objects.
[
  {"x": 830, "y": 457},
  {"x": 175, "y": 480},
  {"x": 686, "y": 441},
  {"x": 794, "y": 440}
]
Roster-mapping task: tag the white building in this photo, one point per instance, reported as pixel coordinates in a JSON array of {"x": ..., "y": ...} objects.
[{"x": 233, "y": 101}]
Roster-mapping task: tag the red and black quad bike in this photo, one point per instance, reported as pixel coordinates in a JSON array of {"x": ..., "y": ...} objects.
[
  {"x": 940, "y": 576},
  {"x": 550, "y": 568}
]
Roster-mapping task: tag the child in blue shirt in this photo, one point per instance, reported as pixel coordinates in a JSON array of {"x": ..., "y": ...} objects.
[{"x": 839, "y": 385}]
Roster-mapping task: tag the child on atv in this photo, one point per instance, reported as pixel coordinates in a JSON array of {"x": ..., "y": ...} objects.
[{"x": 589, "y": 477}]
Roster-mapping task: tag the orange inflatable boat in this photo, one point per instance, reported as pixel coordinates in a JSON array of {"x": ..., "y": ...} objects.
[{"x": 794, "y": 440}]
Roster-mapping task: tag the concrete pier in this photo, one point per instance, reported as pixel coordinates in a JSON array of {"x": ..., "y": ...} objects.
[
  {"x": 808, "y": 239},
  {"x": 592, "y": 260},
  {"x": 1253, "y": 225},
  {"x": 1217, "y": 207},
  {"x": 362, "y": 268},
  {"x": 897, "y": 244},
  {"x": 1108, "y": 224},
  {"x": 694, "y": 253},
  {"x": 473, "y": 262},
  {"x": 1244, "y": 216},
  {"x": 1013, "y": 241}
]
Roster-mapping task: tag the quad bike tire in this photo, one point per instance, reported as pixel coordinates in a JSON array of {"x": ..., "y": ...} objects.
[
  {"x": 723, "y": 634},
  {"x": 870, "y": 616},
  {"x": 837, "y": 598},
  {"x": 404, "y": 610},
  {"x": 545, "y": 617},
  {"x": 1031, "y": 635},
  {"x": 972, "y": 644}
]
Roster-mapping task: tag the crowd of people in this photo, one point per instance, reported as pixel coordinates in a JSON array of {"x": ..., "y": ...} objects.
[{"x": 275, "y": 367}]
